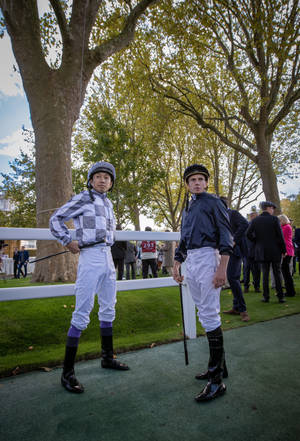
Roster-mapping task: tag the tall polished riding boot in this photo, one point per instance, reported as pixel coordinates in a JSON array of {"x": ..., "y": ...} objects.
[
  {"x": 108, "y": 361},
  {"x": 205, "y": 375},
  {"x": 211, "y": 336},
  {"x": 215, "y": 387},
  {"x": 68, "y": 379}
]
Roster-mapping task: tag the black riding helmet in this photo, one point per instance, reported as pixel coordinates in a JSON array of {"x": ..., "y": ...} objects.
[{"x": 194, "y": 170}]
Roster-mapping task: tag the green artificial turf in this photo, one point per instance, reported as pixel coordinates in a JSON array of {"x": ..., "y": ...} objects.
[{"x": 33, "y": 332}]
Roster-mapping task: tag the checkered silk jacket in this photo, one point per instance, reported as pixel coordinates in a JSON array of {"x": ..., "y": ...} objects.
[{"x": 93, "y": 220}]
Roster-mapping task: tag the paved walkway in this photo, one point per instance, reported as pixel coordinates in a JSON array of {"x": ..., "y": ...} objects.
[{"x": 154, "y": 400}]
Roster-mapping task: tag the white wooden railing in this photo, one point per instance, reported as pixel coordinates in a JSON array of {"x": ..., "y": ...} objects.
[{"x": 34, "y": 292}]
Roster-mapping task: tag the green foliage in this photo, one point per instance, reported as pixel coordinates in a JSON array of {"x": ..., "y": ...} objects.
[
  {"x": 231, "y": 66},
  {"x": 101, "y": 137},
  {"x": 18, "y": 187},
  {"x": 291, "y": 208},
  {"x": 108, "y": 24}
]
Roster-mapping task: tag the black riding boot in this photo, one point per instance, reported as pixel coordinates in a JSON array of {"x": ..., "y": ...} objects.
[
  {"x": 215, "y": 387},
  {"x": 108, "y": 361},
  {"x": 68, "y": 379},
  {"x": 205, "y": 375}
]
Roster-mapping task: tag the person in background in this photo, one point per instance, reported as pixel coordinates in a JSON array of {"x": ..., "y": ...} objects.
[
  {"x": 294, "y": 260},
  {"x": 238, "y": 226},
  {"x": 130, "y": 260},
  {"x": 285, "y": 264},
  {"x": 1, "y": 255},
  {"x": 168, "y": 259},
  {"x": 297, "y": 247},
  {"x": 266, "y": 233},
  {"x": 138, "y": 259},
  {"x": 118, "y": 251},
  {"x": 149, "y": 256},
  {"x": 23, "y": 261},
  {"x": 16, "y": 257},
  {"x": 251, "y": 265},
  {"x": 160, "y": 258}
]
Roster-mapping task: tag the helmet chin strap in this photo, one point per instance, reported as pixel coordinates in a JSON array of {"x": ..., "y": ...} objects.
[
  {"x": 187, "y": 196},
  {"x": 90, "y": 193},
  {"x": 187, "y": 201},
  {"x": 89, "y": 187}
]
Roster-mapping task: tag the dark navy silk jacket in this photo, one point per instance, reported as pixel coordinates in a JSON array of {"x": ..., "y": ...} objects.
[
  {"x": 239, "y": 227},
  {"x": 205, "y": 224}
]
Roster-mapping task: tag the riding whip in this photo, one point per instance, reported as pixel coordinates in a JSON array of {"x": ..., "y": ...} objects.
[
  {"x": 48, "y": 257},
  {"x": 183, "y": 325},
  {"x": 66, "y": 251}
]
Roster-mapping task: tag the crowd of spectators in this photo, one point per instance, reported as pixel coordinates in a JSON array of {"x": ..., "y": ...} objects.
[
  {"x": 264, "y": 245},
  {"x": 146, "y": 258}
]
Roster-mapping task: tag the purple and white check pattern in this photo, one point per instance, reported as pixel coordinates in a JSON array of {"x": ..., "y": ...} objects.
[{"x": 93, "y": 220}]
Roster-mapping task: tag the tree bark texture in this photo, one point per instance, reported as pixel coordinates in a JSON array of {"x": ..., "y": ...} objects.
[
  {"x": 55, "y": 98},
  {"x": 268, "y": 175}
]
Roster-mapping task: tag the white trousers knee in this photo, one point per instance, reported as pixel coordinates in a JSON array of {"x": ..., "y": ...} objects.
[
  {"x": 201, "y": 265},
  {"x": 95, "y": 275}
]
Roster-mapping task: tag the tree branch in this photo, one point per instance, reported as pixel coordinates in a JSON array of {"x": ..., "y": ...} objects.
[
  {"x": 61, "y": 20},
  {"x": 23, "y": 26},
  {"x": 192, "y": 111},
  {"x": 290, "y": 99},
  {"x": 121, "y": 41}
]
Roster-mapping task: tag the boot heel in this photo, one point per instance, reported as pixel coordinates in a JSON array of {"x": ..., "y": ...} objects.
[{"x": 225, "y": 371}]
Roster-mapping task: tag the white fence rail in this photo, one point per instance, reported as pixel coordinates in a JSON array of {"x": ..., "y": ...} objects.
[
  {"x": 44, "y": 291},
  {"x": 45, "y": 234}
]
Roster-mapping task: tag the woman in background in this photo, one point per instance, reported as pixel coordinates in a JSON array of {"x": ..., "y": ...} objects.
[{"x": 285, "y": 265}]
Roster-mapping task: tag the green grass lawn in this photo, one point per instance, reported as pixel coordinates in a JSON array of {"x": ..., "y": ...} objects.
[{"x": 33, "y": 332}]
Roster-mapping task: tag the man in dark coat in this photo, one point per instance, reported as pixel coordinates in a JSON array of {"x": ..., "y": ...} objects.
[
  {"x": 118, "y": 251},
  {"x": 296, "y": 241},
  {"x": 130, "y": 260},
  {"x": 238, "y": 226},
  {"x": 16, "y": 258},
  {"x": 23, "y": 261},
  {"x": 266, "y": 233},
  {"x": 251, "y": 265}
]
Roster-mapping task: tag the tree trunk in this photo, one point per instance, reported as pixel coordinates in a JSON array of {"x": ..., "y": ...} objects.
[
  {"x": 268, "y": 175},
  {"x": 216, "y": 169},
  {"x": 53, "y": 129},
  {"x": 232, "y": 175},
  {"x": 53, "y": 189},
  {"x": 136, "y": 217}
]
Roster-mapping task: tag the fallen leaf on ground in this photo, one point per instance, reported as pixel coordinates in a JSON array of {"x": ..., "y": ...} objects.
[
  {"x": 16, "y": 370},
  {"x": 46, "y": 369}
]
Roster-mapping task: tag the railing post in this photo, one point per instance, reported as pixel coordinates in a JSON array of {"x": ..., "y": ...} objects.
[{"x": 188, "y": 308}]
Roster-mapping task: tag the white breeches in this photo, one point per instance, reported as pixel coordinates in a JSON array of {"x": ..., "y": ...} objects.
[
  {"x": 201, "y": 265},
  {"x": 95, "y": 275}
]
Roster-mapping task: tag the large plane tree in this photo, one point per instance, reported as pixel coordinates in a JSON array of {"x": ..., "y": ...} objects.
[
  {"x": 234, "y": 67},
  {"x": 90, "y": 32}
]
